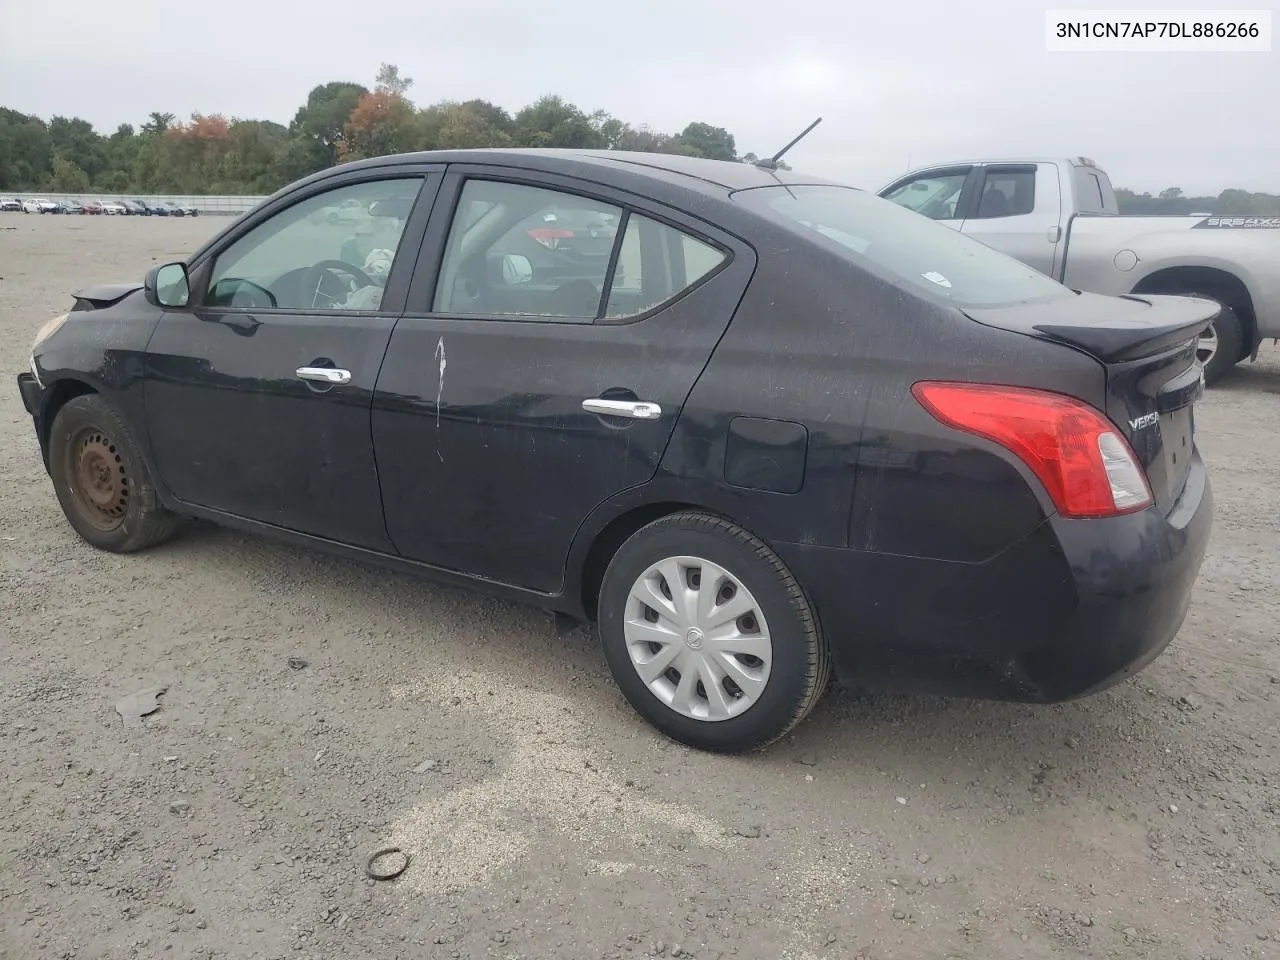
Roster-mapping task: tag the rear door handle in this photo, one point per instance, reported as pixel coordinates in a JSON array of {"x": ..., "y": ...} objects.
[
  {"x": 324, "y": 374},
  {"x": 635, "y": 409}
]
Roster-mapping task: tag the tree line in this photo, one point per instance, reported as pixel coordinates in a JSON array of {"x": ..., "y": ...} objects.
[
  {"x": 340, "y": 121},
  {"x": 211, "y": 154},
  {"x": 1229, "y": 203}
]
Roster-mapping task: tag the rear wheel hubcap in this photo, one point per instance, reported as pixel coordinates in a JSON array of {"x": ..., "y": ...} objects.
[{"x": 698, "y": 638}]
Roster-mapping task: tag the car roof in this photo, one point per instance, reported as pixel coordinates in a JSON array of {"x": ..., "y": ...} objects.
[{"x": 696, "y": 173}]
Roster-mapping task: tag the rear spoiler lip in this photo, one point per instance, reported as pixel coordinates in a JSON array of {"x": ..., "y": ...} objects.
[{"x": 1172, "y": 322}]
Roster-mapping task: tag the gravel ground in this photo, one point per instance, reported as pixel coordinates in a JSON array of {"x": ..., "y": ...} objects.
[{"x": 543, "y": 817}]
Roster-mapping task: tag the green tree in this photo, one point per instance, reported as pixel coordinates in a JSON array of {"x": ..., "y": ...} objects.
[
  {"x": 550, "y": 121},
  {"x": 76, "y": 140},
  {"x": 26, "y": 153},
  {"x": 67, "y": 177},
  {"x": 704, "y": 140},
  {"x": 157, "y": 123},
  {"x": 460, "y": 126},
  {"x": 316, "y": 131},
  {"x": 389, "y": 79}
]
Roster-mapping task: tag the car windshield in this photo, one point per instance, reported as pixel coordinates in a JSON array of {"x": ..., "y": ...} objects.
[{"x": 886, "y": 238}]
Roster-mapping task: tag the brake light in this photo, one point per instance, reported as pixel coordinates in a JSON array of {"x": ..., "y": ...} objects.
[{"x": 1087, "y": 467}]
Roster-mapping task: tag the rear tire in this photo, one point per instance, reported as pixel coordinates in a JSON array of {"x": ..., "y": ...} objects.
[
  {"x": 102, "y": 481},
  {"x": 1227, "y": 351},
  {"x": 737, "y": 666}
]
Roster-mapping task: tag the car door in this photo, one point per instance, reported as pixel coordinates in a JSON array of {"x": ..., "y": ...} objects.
[
  {"x": 943, "y": 194},
  {"x": 532, "y": 377},
  {"x": 1018, "y": 211},
  {"x": 258, "y": 393}
]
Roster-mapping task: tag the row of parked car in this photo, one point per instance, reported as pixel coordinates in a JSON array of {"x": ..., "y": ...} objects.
[{"x": 120, "y": 208}]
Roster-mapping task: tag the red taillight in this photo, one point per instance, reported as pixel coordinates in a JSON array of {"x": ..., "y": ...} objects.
[
  {"x": 1084, "y": 463},
  {"x": 550, "y": 237}
]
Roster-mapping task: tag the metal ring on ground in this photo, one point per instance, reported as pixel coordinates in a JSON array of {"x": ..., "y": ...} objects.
[{"x": 378, "y": 854}]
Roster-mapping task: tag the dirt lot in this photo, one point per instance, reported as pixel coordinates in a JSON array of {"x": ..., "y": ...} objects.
[{"x": 544, "y": 818}]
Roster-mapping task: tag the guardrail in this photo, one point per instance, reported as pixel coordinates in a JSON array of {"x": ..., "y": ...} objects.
[{"x": 228, "y": 205}]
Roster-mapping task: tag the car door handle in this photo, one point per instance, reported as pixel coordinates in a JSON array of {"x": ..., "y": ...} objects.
[
  {"x": 635, "y": 409},
  {"x": 324, "y": 374}
]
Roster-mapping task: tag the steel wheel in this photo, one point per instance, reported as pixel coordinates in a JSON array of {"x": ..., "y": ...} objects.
[
  {"x": 1207, "y": 347},
  {"x": 102, "y": 480},
  {"x": 698, "y": 638},
  {"x": 99, "y": 481}
]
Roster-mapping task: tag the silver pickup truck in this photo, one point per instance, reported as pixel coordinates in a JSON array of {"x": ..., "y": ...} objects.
[{"x": 1061, "y": 218}]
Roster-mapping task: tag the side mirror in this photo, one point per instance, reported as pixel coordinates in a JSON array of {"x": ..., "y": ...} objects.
[
  {"x": 167, "y": 285},
  {"x": 396, "y": 208},
  {"x": 516, "y": 269}
]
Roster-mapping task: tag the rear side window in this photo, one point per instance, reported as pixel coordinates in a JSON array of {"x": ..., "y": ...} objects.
[
  {"x": 525, "y": 251},
  {"x": 516, "y": 251},
  {"x": 1091, "y": 195},
  {"x": 893, "y": 242},
  {"x": 655, "y": 264}
]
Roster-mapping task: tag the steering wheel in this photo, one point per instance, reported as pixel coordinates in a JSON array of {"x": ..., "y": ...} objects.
[{"x": 314, "y": 279}]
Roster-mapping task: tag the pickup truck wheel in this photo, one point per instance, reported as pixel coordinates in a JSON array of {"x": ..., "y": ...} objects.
[
  {"x": 102, "y": 481},
  {"x": 1220, "y": 346}
]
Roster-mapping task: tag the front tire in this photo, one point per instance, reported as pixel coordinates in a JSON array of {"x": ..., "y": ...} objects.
[
  {"x": 709, "y": 636},
  {"x": 102, "y": 480}
]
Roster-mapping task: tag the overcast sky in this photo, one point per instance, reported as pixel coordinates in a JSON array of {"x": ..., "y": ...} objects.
[{"x": 914, "y": 81}]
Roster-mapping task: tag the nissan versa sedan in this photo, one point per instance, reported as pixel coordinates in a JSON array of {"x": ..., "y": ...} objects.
[{"x": 761, "y": 428}]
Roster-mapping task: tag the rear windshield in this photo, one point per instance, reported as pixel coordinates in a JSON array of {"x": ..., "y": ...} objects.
[{"x": 888, "y": 239}]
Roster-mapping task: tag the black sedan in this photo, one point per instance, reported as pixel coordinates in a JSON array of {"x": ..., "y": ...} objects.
[{"x": 778, "y": 426}]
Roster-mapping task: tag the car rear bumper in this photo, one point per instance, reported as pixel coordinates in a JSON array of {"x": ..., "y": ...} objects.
[{"x": 1076, "y": 607}]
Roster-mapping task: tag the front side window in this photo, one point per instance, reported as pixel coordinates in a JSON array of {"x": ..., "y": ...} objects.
[
  {"x": 1007, "y": 193},
  {"x": 329, "y": 253},
  {"x": 888, "y": 240},
  {"x": 933, "y": 195}
]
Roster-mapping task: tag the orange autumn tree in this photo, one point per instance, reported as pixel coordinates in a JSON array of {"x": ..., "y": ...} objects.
[
  {"x": 383, "y": 121},
  {"x": 190, "y": 154}
]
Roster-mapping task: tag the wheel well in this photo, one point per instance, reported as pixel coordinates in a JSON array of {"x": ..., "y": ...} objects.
[
  {"x": 608, "y": 541},
  {"x": 1225, "y": 287},
  {"x": 59, "y": 395}
]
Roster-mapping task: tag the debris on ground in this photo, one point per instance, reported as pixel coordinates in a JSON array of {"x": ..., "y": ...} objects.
[
  {"x": 386, "y": 874},
  {"x": 138, "y": 705}
]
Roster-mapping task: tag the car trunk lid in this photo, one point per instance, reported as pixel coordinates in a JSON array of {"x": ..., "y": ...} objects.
[{"x": 1148, "y": 347}]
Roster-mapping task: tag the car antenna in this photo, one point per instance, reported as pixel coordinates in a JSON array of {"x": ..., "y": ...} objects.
[{"x": 771, "y": 163}]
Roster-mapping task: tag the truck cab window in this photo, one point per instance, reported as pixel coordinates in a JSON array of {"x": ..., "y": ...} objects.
[{"x": 1007, "y": 194}]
